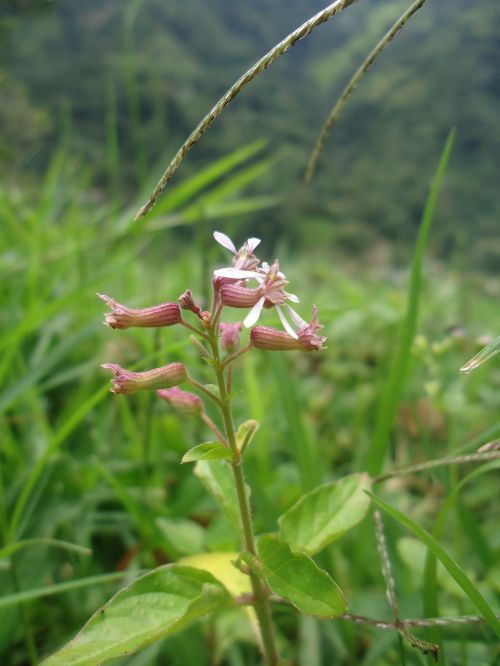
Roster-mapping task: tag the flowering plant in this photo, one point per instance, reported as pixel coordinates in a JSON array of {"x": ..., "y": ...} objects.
[{"x": 270, "y": 566}]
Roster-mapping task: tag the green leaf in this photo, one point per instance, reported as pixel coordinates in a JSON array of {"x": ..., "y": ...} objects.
[
  {"x": 221, "y": 566},
  {"x": 207, "y": 451},
  {"x": 298, "y": 579},
  {"x": 152, "y": 607},
  {"x": 326, "y": 513},
  {"x": 246, "y": 433},
  {"x": 393, "y": 387},
  {"x": 213, "y": 387},
  {"x": 217, "y": 478},
  {"x": 183, "y": 537},
  {"x": 454, "y": 569}
]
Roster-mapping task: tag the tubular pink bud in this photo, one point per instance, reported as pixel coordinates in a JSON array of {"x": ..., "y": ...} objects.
[
  {"x": 165, "y": 314},
  {"x": 184, "y": 401},
  {"x": 230, "y": 338},
  {"x": 127, "y": 382},
  {"x": 272, "y": 339},
  {"x": 264, "y": 337},
  {"x": 237, "y": 296},
  {"x": 187, "y": 303}
]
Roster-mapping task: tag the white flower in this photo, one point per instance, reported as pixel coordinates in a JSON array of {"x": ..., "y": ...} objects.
[
  {"x": 271, "y": 293},
  {"x": 244, "y": 258}
]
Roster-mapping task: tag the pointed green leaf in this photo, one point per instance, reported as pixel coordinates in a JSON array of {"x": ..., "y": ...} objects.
[
  {"x": 212, "y": 387},
  {"x": 326, "y": 513},
  {"x": 217, "y": 478},
  {"x": 182, "y": 536},
  {"x": 154, "y": 606},
  {"x": 207, "y": 451},
  {"x": 454, "y": 569},
  {"x": 298, "y": 579},
  {"x": 246, "y": 433}
]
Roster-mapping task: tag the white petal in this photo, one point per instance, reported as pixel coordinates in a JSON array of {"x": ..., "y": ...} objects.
[
  {"x": 286, "y": 325},
  {"x": 292, "y": 297},
  {"x": 235, "y": 273},
  {"x": 265, "y": 266},
  {"x": 297, "y": 319},
  {"x": 254, "y": 314},
  {"x": 225, "y": 241},
  {"x": 252, "y": 243}
]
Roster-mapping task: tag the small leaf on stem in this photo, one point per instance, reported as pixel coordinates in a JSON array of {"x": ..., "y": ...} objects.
[
  {"x": 298, "y": 579},
  {"x": 246, "y": 433},
  {"x": 217, "y": 478},
  {"x": 207, "y": 451}
]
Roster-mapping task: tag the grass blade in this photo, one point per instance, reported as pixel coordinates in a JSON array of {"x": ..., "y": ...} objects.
[
  {"x": 353, "y": 83},
  {"x": 430, "y": 601},
  {"x": 12, "y": 548},
  {"x": 391, "y": 392},
  {"x": 485, "y": 354},
  {"x": 261, "y": 65},
  {"x": 51, "y": 590},
  {"x": 448, "y": 562}
]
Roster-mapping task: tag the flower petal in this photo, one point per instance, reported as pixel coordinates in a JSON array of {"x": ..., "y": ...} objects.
[
  {"x": 292, "y": 297},
  {"x": 297, "y": 319},
  {"x": 254, "y": 314},
  {"x": 286, "y": 325},
  {"x": 225, "y": 241},
  {"x": 252, "y": 243},
  {"x": 235, "y": 273}
]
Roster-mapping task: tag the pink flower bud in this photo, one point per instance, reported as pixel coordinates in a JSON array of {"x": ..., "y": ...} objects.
[
  {"x": 184, "y": 401},
  {"x": 230, "y": 338},
  {"x": 127, "y": 382},
  {"x": 237, "y": 296},
  {"x": 121, "y": 316},
  {"x": 187, "y": 303},
  {"x": 272, "y": 339}
]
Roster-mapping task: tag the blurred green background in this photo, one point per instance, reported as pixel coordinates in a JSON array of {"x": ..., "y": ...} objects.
[
  {"x": 126, "y": 81},
  {"x": 95, "y": 98}
]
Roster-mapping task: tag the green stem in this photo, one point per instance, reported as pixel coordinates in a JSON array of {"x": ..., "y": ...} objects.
[
  {"x": 206, "y": 419},
  {"x": 194, "y": 329},
  {"x": 201, "y": 387},
  {"x": 236, "y": 355},
  {"x": 260, "y": 592},
  {"x": 439, "y": 462}
]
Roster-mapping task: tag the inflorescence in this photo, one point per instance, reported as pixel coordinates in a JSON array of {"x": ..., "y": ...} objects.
[{"x": 247, "y": 283}]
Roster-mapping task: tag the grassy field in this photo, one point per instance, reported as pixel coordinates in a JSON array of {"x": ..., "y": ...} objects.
[{"x": 92, "y": 490}]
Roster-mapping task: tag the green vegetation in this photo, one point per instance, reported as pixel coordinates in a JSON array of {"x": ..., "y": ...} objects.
[{"x": 92, "y": 489}]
